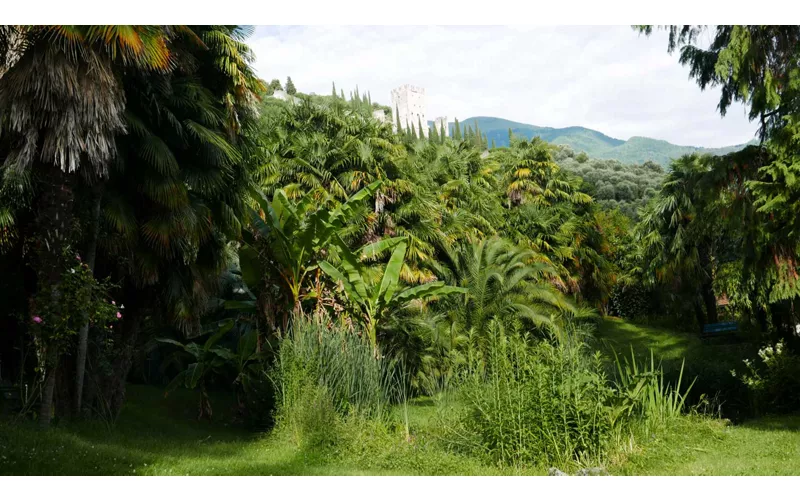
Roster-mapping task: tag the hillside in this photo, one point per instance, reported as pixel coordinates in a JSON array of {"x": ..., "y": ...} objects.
[{"x": 592, "y": 142}]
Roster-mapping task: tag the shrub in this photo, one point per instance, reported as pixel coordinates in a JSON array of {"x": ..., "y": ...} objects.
[
  {"x": 630, "y": 301},
  {"x": 774, "y": 383},
  {"x": 535, "y": 403}
]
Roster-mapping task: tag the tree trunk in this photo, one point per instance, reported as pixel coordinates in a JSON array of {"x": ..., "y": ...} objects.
[
  {"x": 710, "y": 301},
  {"x": 701, "y": 317},
  {"x": 114, "y": 386},
  {"x": 53, "y": 234},
  {"x": 46, "y": 408},
  {"x": 707, "y": 285},
  {"x": 83, "y": 335}
]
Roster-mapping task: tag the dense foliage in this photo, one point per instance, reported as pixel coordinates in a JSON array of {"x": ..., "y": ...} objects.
[{"x": 326, "y": 267}]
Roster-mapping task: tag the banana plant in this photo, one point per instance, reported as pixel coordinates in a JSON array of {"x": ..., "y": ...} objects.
[
  {"x": 374, "y": 300},
  {"x": 286, "y": 240},
  {"x": 205, "y": 359}
]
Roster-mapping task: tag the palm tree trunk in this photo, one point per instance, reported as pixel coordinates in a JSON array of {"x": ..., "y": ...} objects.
[
  {"x": 710, "y": 301},
  {"x": 53, "y": 235},
  {"x": 116, "y": 384},
  {"x": 83, "y": 334},
  {"x": 46, "y": 408}
]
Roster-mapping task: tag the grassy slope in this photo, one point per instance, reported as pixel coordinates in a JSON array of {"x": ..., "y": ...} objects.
[
  {"x": 703, "y": 446},
  {"x": 157, "y": 436}
]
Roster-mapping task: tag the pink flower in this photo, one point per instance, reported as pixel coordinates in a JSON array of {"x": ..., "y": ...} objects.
[
  {"x": 37, "y": 319},
  {"x": 119, "y": 315},
  {"x": 113, "y": 303},
  {"x": 78, "y": 257}
]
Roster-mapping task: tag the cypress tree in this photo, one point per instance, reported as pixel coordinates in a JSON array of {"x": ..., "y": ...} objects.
[
  {"x": 478, "y": 136},
  {"x": 510, "y": 136},
  {"x": 419, "y": 127},
  {"x": 456, "y": 131},
  {"x": 433, "y": 135},
  {"x": 443, "y": 135},
  {"x": 341, "y": 91},
  {"x": 369, "y": 98},
  {"x": 290, "y": 88},
  {"x": 397, "y": 118},
  {"x": 493, "y": 144},
  {"x": 333, "y": 92},
  {"x": 413, "y": 132}
]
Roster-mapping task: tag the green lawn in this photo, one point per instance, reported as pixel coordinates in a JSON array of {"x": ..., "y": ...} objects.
[{"x": 157, "y": 436}]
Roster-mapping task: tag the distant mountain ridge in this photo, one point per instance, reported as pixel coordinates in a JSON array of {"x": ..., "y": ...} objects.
[{"x": 593, "y": 143}]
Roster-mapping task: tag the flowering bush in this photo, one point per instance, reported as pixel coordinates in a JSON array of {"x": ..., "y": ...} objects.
[
  {"x": 774, "y": 382},
  {"x": 60, "y": 313}
]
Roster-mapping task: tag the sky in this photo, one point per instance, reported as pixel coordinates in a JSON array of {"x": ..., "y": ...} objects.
[{"x": 607, "y": 78}]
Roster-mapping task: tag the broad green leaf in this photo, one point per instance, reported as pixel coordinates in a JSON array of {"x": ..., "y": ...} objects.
[
  {"x": 170, "y": 341},
  {"x": 250, "y": 265},
  {"x": 177, "y": 381},
  {"x": 194, "y": 373},
  {"x": 223, "y": 353},
  {"x": 372, "y": 250},
  {"x": 337, "y": 275},
  {"x": 353, "y": 270},
  {"x": 249, "y": 305},
  {"x": 391, "y": 275},
  {"x": 222, "y": 328},
  {"x": 346, "y": 210},
  {"x": 247, "y": 344}
]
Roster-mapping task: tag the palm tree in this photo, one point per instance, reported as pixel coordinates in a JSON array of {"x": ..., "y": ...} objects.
[
  {"x": 507, "y": 282},
  {"x": 62, "y": 104},
  {"x": 680, "y": 232},
  {"x": 178, "y": 190}
]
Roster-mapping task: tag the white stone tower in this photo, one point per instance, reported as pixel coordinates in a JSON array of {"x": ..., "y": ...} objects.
[
  {"x": 442, "y": 122},
  {"x": 409, "y": 103}
]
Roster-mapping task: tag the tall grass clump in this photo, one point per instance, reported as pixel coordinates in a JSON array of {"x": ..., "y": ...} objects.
[
  {"x": 326, "y": 373},
  {"x": 534, "y": 402},
  {"x": 645, "y": 403},
  {"x": 643, "y": 397}
]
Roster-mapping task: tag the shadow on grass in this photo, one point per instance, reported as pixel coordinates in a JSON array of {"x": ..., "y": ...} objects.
[
  {"x": 708, "y": 364},
  {"x": 153, "y": 436},
  {"x": 774, "y": 423}
]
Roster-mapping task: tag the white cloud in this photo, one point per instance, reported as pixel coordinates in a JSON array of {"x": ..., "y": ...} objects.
[{"x": 606, "y": 78}]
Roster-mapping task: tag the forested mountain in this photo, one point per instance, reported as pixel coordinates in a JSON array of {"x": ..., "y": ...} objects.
[{"x": 594, "y": 143}]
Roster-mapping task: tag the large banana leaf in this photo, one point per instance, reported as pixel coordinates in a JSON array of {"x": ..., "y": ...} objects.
[
  {"x": 194, "y": 373},
  {"x": 372, "y": 250},
  {"x": 391, "y": 276},
  {"x": 224, "y": 327},
  {"x": 351, "y": 291},
  {"x": 352, "y": 269},
  {"x": 347, "y": 209},
  {"x": 250, "y": 265}
]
